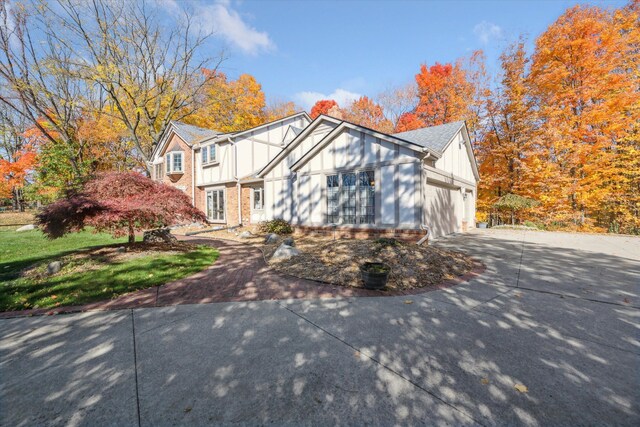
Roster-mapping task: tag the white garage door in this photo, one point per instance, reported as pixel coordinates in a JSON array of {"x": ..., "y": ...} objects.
[{"x": 443, "y": 210}]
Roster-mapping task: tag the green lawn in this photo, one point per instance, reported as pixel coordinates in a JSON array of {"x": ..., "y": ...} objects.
[{"x": 76, "y": 284}]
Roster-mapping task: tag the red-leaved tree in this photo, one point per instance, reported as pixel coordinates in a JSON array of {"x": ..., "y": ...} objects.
[
  {"x": 120, "y": 203},
  {"x": 322, "y": 107}
]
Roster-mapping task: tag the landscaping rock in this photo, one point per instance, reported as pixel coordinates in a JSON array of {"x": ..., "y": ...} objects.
[
  {"x": 271, "y": 238},
  {"x": 289, "y": 241},
  {"x": 246, "y": 235},
  {"x": 121, "y": 250},
  {"x": 27, "y": 227},
  {"x": 54, "y": 267},
  {"x": 158, "y": 235},
  {"x": 285, "y": 252}
]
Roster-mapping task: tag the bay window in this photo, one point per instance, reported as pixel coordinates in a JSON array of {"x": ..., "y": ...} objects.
[
  {"x": 174, "y": 162},
  {"x": 351, "y": 198}
]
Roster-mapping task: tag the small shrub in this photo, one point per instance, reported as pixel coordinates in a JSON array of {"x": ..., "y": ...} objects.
[{"x": 277, "y": 226}]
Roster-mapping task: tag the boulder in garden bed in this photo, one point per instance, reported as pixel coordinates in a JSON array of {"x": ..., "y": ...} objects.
[
  {"x": 289, "y": 241},
  {"x": 158, "y": 235},
  {"x": 246, "y": 235},
  {"x": 54, "y": 267},
  {"x": 27, "y": 227},
  {"x": 285, "y": 252},
  {"x": 271, "y": 238}
]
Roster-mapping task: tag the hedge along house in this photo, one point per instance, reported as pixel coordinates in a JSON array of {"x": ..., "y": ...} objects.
[
  {"x": 336, "y": 175},
  {"x": 218, "y": 169}
]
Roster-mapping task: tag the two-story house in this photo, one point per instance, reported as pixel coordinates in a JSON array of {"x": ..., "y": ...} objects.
[{"x": 217, "y": 170}]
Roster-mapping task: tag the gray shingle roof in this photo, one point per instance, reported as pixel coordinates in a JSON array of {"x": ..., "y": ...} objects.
[
  {"x": 434, "y": 138},
  {"x": 191, "y": 133}
]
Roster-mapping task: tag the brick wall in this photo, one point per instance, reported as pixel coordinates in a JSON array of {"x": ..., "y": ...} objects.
[
  {"x": 231, "y": 204},
  {"x": 182, "y": 181},
  {"x": 246, "y": 205},
  {"x": 361, "y": 233}
]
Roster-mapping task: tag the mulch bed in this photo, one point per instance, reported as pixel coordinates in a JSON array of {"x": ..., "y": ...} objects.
[{"x": 337, "y": 261}]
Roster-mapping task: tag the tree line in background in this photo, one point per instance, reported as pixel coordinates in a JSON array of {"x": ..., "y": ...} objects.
[
  {"x": 84, "y": 90},
  {"x": 558, "y": 129},
  {"x": 91, "y": 86}
]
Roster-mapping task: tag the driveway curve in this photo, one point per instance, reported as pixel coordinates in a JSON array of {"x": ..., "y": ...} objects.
[{"x": 547, "y": 335}]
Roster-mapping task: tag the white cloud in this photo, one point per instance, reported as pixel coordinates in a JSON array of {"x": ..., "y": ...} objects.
[
  {"x": 222, "y": 20},
  {"x": 487, "y": 31},
  {"x": 341, "y": 96}
]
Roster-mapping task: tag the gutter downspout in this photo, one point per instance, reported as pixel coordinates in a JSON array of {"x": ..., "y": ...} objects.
[
  {"x": 235, "y": 173},
  {"x": 193, "y": 177}
]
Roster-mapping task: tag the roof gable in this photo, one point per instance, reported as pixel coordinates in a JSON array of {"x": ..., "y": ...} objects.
[{"x": 296, "y": 141}]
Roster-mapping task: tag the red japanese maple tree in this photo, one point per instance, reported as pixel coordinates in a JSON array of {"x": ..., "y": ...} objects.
[{"x": 120, "y": 203}]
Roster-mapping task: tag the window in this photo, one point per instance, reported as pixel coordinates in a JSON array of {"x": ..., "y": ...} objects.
[
  {"x": 366, "y": 197},
  {"x": 173, "y": 162},
  {"x": 351, "y": 198},
  {"x": 215, "y": 205},
  {"x": 157, "y": 171},
  {"x": 333, "y": 199},
  {"x": 205, "y": 155},
  {"x": 258, "y": 201},
  {"x": 208, "y": 154},
  {"x": 348, "y": 196}
]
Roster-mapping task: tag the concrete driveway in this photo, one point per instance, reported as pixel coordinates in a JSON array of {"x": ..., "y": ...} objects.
[{"x": 556, "y": 313}]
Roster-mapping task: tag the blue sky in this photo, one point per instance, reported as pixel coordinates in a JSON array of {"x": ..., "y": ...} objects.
[{"x": 305, "y": 50}]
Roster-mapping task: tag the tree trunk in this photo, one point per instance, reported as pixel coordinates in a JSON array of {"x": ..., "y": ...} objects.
[{"x": 132, "y": 234}]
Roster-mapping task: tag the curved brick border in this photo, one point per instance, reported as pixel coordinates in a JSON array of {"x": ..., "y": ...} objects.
[{"x": 239, "y": 274}]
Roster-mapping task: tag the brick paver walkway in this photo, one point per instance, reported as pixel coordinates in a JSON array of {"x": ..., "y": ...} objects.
[{"x": 239, "y": 274}]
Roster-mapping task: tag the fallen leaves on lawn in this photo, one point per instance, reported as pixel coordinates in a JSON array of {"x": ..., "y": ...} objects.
[{"x": 521, "y": 388}]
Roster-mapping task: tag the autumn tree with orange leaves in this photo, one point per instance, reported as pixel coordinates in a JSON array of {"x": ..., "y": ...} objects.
[
  {"x": 365, "y": 112},
  {"x": 322, "y": 107},
  {"x": 564, "y": 125},
  {"x": 17, "y": 159}
]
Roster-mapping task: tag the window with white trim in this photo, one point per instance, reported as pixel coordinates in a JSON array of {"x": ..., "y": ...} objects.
[
  {"x": 258, "y": 198},
  {"x": 174, "y": 162},
  {"x": 157, "y": 171},
  {"x": 208, "y": 154},
  {"x": 215, "y": 205},
  {"x": 351, "y": 198}
]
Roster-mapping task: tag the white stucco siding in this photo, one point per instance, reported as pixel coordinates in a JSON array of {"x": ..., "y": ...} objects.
[
  {"x": 303, "y": 211},
  {"x": 316, "y": 199},
  {"x": 387, "y": 150},
  {"x": 371, "y": 149},
  {"x": 220, "y": 171},
  {"x": 387, "y": 195},
  {"x": 397, "y": 179},
  {"x": 407, "y": 194},
  {"x": 282, "y": 169},
  {"x": 455, "y": 159},
  {"x": 269, "y": 199}
]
